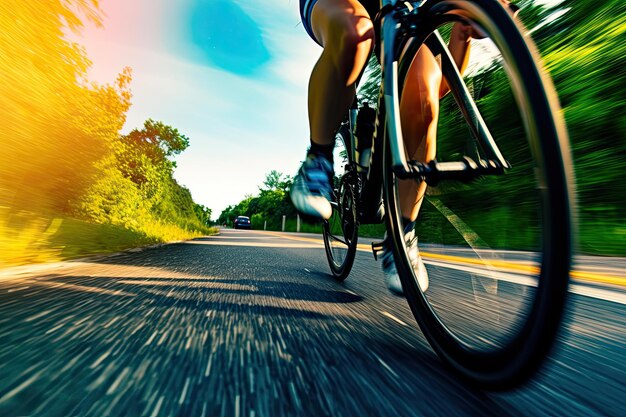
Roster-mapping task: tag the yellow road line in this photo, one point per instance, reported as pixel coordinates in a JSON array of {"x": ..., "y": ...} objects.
[
  {"x": 580, "y": 275},
  {"x": 299, "y": 238},
  {"x": 487, "y": 262},
  {"x": 512, "y": 266},
  {"x": 604, "y": 279}
]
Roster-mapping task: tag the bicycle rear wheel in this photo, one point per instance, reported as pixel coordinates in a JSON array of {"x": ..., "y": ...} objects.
[
  {"x": 341, "y": 230},
  {"x": 497, "y": 249}
]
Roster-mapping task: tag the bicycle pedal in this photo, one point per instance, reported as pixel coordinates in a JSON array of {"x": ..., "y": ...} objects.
[{"x": 377, "y": 247}]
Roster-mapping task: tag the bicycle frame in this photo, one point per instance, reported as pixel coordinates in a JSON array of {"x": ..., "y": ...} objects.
[{"x": 399, "y": 28}]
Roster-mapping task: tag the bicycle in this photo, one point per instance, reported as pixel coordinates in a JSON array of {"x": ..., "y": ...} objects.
[{"x": 529, "y": 185}]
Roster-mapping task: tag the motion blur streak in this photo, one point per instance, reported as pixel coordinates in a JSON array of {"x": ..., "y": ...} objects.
[
  {"x": 55, "y": 125},
  {"x": 68, "y": 179},
  {"x": 582, "y": 47}
]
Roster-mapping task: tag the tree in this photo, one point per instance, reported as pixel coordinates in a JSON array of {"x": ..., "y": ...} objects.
[
  {"x": 275, "y": 180},
  {"x": 144, "y": 154},
  {"x": 270, "y": 205},
  {"x": 62, "y": 155},
  {"x": 272, "y": 180},
  {"x": 56, "y": 125},
  {"x": 142, "y": 159},
  {"x": 203, "y": 214},
  {"x": 157, "y": 141},
  {"x": 226, "y": 215}
]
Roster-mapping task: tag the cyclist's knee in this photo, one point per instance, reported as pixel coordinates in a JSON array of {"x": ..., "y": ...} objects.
[
  {"x": 334, "y": 21},
  {"x": 347, "y": 33},
  {"x": 341, "y": 29},
  {"x": 357, "y": 29},
  {"x": 351, "y": 46}
]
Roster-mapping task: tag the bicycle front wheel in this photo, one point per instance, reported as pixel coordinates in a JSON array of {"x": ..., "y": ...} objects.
[{"x": 497, "y": 249}]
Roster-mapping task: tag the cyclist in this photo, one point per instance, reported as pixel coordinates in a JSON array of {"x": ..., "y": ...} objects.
[{"x": 345, "y": 30}]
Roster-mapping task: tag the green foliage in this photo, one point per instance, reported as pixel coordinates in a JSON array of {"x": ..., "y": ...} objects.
[
  {"x": 369, "y": 88},
  {"x": 586, "y": 56},
  {"x": 275, "y": 180},
  {"x": 269, "y": 205},
  {"x": 584, "y": 51},
  {"x": 143, "y": 154},
  {"x": 156, "y": 142},
  {"x": 203, "y": 214},
  {"x": 135, "y": 187},
  {"x": 55, "y": 124},
  {"x": 114, "y": 199},
  {"x": 257, "y": 221}
]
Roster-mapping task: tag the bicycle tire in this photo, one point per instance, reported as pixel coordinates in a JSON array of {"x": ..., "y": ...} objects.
[
  {"x": 340, "y": 232},
  {"x": 511, "y": 362}
]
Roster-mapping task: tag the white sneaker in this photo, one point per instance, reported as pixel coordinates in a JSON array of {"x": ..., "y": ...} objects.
[
  {"x": 392, "y": 278},
  {"x": 312, "y": 187}
]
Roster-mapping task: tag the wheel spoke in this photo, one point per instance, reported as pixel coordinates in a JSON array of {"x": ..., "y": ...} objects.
[{"x": 336, "y": 239}]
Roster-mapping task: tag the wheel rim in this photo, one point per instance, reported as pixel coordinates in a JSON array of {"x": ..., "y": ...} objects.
[{"x": 340, "y": 231}]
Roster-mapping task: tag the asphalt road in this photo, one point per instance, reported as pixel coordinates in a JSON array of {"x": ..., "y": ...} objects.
[{"x": 250, "y": 324}]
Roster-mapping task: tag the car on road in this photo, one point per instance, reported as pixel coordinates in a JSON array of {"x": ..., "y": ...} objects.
[{"x": 242, "y": 222}]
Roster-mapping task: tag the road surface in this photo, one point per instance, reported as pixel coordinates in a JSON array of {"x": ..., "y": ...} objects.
[{"x": 250, "y": 323}]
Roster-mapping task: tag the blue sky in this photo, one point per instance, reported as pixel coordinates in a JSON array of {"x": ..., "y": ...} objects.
[{"x": 231, "y": 75}]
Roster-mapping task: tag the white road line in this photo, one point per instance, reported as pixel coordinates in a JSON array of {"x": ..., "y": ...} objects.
[
  {"x": 599, "y": 293},
  {"x": 311, "y": 245},
  {"x": 392, "y": 317}
]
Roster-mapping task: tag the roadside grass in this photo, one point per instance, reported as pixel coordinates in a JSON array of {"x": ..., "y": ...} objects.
[
  {"x": 291, "y": 225},
  {"x": 27, "y": 238},
  {"x": 602, "y": 238}
]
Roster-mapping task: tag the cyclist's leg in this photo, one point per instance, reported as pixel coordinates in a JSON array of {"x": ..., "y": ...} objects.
[
  {"x": 346, "y": 32},
  {"x": 419, "y": 111}
]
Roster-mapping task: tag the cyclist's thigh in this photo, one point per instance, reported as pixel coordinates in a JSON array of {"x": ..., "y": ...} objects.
[{"x": 334, "y": 20}]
